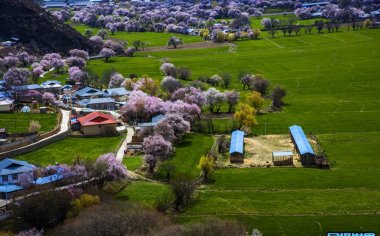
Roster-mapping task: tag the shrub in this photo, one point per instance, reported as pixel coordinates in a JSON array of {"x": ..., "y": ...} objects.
[
  {"x": 183, "y": 73},
  {"x": 83, "y": 202},
  {"x": 34, "y": 126}
]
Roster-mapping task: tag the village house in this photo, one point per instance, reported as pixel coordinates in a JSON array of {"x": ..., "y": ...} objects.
[
  {"x": 98, "y": 103},
  {"x": 98, "y": 124},
  {"x": 51, "y": 85},
  {"x": 27, "y": 87},
  {"x": 116, "y": 92},
  {"x": 11, "y": 169},
  {"x": 6, "y": 105},
  {"x": 88, "y": 92}
]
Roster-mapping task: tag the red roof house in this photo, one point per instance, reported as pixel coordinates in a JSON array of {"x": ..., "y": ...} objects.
[{"x": 98, "y": 124}]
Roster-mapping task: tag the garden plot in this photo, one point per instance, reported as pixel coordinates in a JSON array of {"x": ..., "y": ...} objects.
[{"x": 259, "y": 150}]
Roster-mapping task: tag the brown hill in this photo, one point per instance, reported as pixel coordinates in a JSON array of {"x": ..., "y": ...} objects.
[{"x": 38, "y": 29}]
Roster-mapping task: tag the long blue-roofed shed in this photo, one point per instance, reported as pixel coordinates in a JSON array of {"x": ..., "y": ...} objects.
[
  {"x": 302, "y": 145},
  {"x": 237, "y": 147}
]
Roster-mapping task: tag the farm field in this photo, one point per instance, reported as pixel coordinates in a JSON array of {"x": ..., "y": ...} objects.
[
  {"x": 145, "y": 193},
  {"x": 66, "y": 150},
  {"x": 187, "y": 155},
  {"x": 19, "y": 122},
  {"x": 332, "y": 88},
  {"x": 154, "y": 39}
]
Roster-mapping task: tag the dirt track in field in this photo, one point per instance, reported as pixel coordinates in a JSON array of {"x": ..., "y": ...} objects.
[{"x": 186, "y": 46}]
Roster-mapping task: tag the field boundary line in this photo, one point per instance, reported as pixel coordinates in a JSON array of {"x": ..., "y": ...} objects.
[
  {"x": 339, "y": 40},
  {"x": 275, "y": 214},
  {"x": 278, "y": 45},
  {"x": 304, "y": 41},
  {"x": 360, "y": 35}
]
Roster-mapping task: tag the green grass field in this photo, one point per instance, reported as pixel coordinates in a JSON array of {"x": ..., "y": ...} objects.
[
  {"x": 66, "y": 150},
  {"x": 154, "y": 39},
  {"x": 332, "y": 85},
  {"x": 145, "y": 193},
  {"x": 19, "y": 122},
  {"x": 187, "y": 155},
  {"x": 132, "y": 163}
]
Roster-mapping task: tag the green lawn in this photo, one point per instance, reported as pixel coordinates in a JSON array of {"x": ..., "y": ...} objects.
[
  {"x": 146, "y": 193},
  {"x": 154, "y": 39},
  {"x": 133, "y": 162},
  {"x": 332, "y": 88},
  {"x": 19, "y": 122},
  {"x": 187, "y": 155},
  {"x": 66, "y": 150}
]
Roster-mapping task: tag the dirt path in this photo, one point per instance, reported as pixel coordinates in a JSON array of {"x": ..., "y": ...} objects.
[{"x": 198, "y": 45}]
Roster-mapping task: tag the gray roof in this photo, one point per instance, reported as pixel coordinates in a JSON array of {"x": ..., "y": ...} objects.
[
  {"x": 86, "y": 102},
  {"x": 27, "y": 87},
  {"x": 10, "y": 166},
  {"x": 51, "y": 83},
  {"x": 88, "y": 92},
  {"x": 117, "y": 92}
]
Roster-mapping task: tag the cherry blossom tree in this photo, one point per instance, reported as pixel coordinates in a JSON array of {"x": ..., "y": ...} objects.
[
  {"x": 79, "y": 53},
  {"x": 116, "y": 80},
  {"x": 76, "y": 61},
  {"x": 165, "y": 130},
  {"x": 214, "y": 99},
  {"x": 10, "y": 60},
  {"x": 232, "y": 99},
  {"x": 107, "y": 53},
  {"x": 113, "y": 169},
  {"x": 141, "y": 106},
  {"x": 16, "y": 77},
  {"x": 246, "y": 79},
  {"x": 190, "y": 95},
  {"x": 168, "y": 69},
  {"x": 48, "y": 97},
  {"x": 180, "y": 126},
  {"x": 151, "y": 161},
  {"x": 157, "y": 146},
  {"x": 174, "y": 41},
  {"x": 170, "y": 84}
]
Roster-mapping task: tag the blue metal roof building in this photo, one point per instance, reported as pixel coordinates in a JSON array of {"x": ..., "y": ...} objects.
[
  {"x": 48, "y": 179},
  {"x": 10, "y": 170},
  {"x": 302, "y": 145},
  {"x": 237, "y": 142},
  {"x": 237, "y": 147}
]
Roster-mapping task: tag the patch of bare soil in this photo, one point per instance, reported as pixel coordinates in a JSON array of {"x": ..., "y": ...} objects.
[{"x": 259, "y": 149}]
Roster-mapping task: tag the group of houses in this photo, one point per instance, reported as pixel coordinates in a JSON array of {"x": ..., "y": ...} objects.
[
  {"x": 84, "y": 97},
  {"x": 11, "y": 179},
  {"x": 301, "y": 144},
  {"x": 92, "y": 98}
]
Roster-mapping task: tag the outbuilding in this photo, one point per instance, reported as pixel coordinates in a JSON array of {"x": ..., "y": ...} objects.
[
  {"x": 282, "y": 158},
  {"x": 237, "y": 147},
  {"x": 302, "y": 145}
]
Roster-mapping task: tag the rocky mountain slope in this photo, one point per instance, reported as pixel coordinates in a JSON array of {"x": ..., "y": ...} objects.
[{"x": 37, "y": 29}]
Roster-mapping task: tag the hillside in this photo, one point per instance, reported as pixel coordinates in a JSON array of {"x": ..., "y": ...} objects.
[{"x": 38, "y": 29}]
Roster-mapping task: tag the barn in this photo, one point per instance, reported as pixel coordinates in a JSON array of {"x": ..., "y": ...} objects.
[
  {"x": 237, "y": 147},
  {"x": 302, "y": 145}
]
